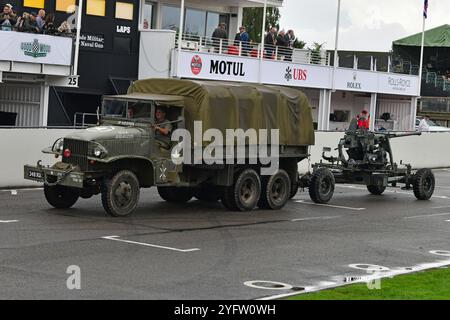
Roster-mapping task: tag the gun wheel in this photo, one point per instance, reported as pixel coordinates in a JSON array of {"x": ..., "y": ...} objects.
[
  {"x": 321, "y": 187},
  {"x": 424, "y": 184}
]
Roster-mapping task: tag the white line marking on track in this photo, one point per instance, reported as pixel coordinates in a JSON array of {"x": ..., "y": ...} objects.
[
  {"x": 8, "y": 221},
  {"x": 272, "y": 285},
  {"x": 115, "y": 238},
  {"x": 428, "y": 215},
  {"x": 329, "y": 205},
  {"x": 389, "y": 191},
  {"x": 442, "y": 207},
  {"x": 315, "y": 218}
]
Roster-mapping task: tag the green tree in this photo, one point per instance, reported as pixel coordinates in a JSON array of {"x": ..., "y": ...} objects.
[{"x": 252, "y": 20}]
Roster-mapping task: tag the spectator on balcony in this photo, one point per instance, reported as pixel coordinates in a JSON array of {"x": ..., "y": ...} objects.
[
  {"x": 282, "y": 44},
  {"x": 40, "y": 20},
  {"x": 243, "y": 38},
  {"x": 32, "y": 25},
  {"x": 290, "y": 39},
  {"x": 270, "y": 41},
  {"x": 8, "y": 18},
  {"x": 49, "y": 26},
  {"x": 220, "y": 35}
]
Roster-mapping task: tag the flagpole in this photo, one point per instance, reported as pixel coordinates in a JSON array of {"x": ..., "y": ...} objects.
[
  {"x": 261, "y": 55},
  {"x": 180, "y": 37},
  {"x": 333, "y": 87},
  {"x": 421, "y": 57}
]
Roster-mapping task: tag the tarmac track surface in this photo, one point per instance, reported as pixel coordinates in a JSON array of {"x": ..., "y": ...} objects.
[{"x": 201, "y": 251}]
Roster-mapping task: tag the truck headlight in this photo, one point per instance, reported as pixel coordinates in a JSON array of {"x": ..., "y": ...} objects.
[
  {"x": 58, "y": 146},
  {"x": 99, "y": 152}
]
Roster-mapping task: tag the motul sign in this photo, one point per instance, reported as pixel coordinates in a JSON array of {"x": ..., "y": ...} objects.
[{"x": 227, "y": 68}]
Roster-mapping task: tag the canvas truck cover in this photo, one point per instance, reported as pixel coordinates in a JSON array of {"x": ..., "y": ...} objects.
[{"x": 224, "y": 105}]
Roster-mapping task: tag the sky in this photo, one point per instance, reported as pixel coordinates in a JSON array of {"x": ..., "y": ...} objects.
[{"x": 366, "y": 25}]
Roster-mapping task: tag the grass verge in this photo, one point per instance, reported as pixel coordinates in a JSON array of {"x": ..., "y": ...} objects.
[{"x": 426, "y": 285}]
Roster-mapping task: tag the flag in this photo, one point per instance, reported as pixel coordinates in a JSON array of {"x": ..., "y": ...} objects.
[{"x": 425, "y": 9}]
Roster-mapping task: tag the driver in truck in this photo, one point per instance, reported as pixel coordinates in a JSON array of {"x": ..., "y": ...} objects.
[{"x": 163, "y": 128}]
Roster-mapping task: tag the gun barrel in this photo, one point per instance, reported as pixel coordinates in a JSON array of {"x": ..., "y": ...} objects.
[{"x": 401, "y": 135}]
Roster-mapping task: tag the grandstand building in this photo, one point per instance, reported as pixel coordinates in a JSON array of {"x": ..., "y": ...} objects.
[{"x": 124, "y": 40}]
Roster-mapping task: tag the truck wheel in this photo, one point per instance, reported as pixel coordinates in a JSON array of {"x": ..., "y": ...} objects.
[
  {"x": 376, "y": 190},
  {"x": 275, "y": 191},
  {"x": 174, "y": 194},
  {"x": 244, "y": 194},
  {"x": 321, "y": 186},
  {"x": 424, "y": 184},
  {"x": 61, "y": 197},
  {"x": 120, "y": 194},
  {"x": 207, "y": 194}
]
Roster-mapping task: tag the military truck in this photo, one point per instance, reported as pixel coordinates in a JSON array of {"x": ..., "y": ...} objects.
[{"x": 123, "y": 154}]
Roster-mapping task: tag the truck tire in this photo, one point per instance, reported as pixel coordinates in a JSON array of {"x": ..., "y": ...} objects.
[
  {"x": 245, "y": 192},
  {"x": 175, "y": 195},
  {"x": 376, "y": 190},
  {"x": 275, "y": 191},
  {"x": 120, "y": 194},
  {"x": 207, "y": 194},
  {"x": 321, "y": 186},
  {"x": 423, "y": 184},
  {"x": 61, "y": 197}
]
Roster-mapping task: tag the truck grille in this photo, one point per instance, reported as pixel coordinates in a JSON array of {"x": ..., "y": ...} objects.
[{"x": 79, "y": 151}]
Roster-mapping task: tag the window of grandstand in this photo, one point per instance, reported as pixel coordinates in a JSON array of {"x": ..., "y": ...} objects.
[
  {"x": 148, "y": 15},
  {"x": 124, "y": 10},
  {"x": 195, "y": 22},
  {"x": 96, "y": 8},
  {"x": 65, "y": 5},
  {"x": 170, "y": 17},
  {"x": 34, "y": 3}
]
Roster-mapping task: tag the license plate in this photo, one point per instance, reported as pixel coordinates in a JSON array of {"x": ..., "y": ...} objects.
[{"x": 35, "y": 174}]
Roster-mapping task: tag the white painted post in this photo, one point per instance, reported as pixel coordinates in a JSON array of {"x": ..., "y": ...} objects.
[
  {"x": 180, "y": 37},
  {"x": 77, "y": 39},
  {"x": 373, "y": 110},
  {"x": 336, "y": 43}
]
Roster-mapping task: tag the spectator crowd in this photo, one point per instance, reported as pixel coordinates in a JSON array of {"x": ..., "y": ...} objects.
[
  {"x": 34, "y": 22},
  {"x": 276, "y": 43}
]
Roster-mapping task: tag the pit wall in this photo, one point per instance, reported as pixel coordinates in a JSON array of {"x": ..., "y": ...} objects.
[{"x": 23, "y": 146}]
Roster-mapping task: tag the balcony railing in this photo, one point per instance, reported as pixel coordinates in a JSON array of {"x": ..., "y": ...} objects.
[{"x": 252, "y": 50}]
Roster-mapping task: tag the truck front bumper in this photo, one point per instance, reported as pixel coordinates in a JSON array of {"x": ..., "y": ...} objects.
[{"x": 60, "y": 174}]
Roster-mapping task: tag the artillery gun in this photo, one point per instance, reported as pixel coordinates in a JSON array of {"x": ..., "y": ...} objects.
[{"x": 366, "y": 158}]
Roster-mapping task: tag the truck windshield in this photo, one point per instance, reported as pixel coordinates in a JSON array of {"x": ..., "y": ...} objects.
[{"x": 127, "y": 109}]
